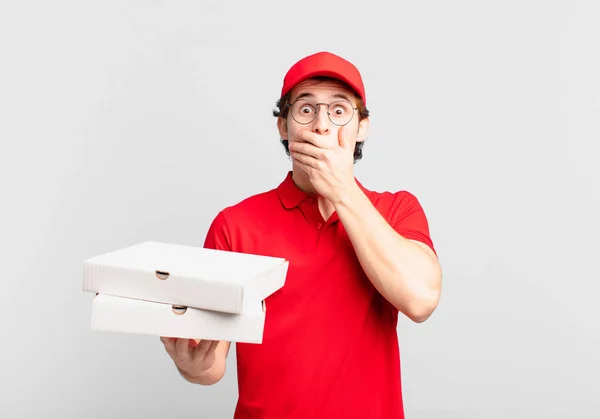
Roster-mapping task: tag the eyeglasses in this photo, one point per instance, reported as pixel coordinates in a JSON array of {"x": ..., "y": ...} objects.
[{"x": 304, "y": 112}]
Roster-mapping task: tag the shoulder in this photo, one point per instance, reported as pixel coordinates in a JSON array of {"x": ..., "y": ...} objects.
[
  {"x": 248, "y": 209},
  {"x": 404, "y": 213},
  {"x": 253, "y": 206},
  {"x": 394, "y": 204},
  {"x": 226, "y": 227}
]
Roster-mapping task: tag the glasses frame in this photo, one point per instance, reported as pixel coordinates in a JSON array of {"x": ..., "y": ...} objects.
[{"x": 354, "y": 109}]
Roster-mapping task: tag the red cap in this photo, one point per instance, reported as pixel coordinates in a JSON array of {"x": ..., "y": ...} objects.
[{"x": 324, "y": 64}]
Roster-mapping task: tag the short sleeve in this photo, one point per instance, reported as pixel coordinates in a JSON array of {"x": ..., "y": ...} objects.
[
  {"x": 218, "y": 236},
  {"x": 409, "y": 219}
]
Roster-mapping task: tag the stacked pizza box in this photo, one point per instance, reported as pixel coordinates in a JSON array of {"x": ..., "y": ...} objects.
[{"x": 182, "y": 291}]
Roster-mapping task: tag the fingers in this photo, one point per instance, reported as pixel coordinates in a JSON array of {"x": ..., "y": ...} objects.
[
  {"x": 202, "y": 347},
  {"x": 169, "y": 344},
  {"x": 306, "y": 148},
  {"x": 205, "y": 347},
  {"x": 317, "y": 140},
  {"x": 343, "y": 139},
  {"x": 213, "y": 346},
  {"x": 306, "y": 160},
  {"x": 308, "y": 154},
  {"x": 182, "y": 347}
]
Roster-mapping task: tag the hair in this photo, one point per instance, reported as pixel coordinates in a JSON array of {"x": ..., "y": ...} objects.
[{"x": 282, "y": 110}]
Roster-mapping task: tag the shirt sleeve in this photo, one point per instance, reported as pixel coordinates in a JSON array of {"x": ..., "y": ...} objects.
[
  {"x": 218, "y": 236},
  {"x": 410, "y": 221}
]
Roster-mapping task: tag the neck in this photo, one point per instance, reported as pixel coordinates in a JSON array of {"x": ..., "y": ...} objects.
[{"x": 301, "y": 180}]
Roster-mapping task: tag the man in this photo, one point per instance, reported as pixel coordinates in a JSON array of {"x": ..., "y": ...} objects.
[{"x": 357, "y": 259}]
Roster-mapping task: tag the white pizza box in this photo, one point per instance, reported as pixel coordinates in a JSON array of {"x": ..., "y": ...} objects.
[
  {"x": 128, "y": 315},
  {"x": 186, "y": 275}
]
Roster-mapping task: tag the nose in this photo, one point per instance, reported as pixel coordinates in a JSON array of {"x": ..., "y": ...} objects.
[{"x": 321, "y": 122}]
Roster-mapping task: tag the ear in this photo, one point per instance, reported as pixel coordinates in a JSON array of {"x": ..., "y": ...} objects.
[
  {"x": 282, "y": 127},
  {"x": 363, "y": 130}
]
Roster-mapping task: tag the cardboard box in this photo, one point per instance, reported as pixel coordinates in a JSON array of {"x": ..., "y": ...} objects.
[
  {"x": 126, "y": 315},
  {"x": 190, "y": 276}
]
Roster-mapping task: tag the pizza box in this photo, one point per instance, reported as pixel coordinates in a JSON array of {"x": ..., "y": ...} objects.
[
  {"x": 190, "y": 276},
  {"x": 128, "y": 315}
]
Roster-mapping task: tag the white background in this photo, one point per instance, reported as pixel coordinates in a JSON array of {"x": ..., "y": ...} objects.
[{"x": 127, "y": 121}]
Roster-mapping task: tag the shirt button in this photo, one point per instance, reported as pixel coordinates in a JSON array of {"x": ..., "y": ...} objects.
[{"x": 319, "y": 225}]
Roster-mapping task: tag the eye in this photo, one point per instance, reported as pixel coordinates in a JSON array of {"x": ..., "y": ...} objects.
[
  {"x": 340, "y": 109},
  {"x": 306, "y": 109}
]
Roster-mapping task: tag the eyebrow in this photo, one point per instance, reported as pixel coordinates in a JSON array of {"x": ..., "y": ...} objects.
[
  {"x": 342, "y": 96},
  {"x": 335, "y": 95}
]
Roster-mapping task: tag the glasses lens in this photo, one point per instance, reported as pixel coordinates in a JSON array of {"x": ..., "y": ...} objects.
[
  {"x": 303, "y": 112},
  {"x": 340, "y": 113}
]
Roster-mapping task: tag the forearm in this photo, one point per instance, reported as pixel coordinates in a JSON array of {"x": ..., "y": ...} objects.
[{"x": 408, "y": 276}]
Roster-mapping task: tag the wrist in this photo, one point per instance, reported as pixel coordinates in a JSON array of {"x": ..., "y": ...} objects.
[
  {"x": 206, "y": 377},
  {"x": 345, "y": 196}
]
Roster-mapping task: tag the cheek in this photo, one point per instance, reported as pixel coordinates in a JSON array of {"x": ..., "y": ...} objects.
[{"x": 293, "y": 133}]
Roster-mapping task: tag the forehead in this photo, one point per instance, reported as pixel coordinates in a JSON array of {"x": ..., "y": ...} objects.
[{"x": 323, "y": 89}]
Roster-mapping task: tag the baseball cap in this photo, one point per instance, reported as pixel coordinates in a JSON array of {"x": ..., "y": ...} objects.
[{"x": 324, "y": 64}]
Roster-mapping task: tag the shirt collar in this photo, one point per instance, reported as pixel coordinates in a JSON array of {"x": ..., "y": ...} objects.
[{"x": 292, "y": 196}]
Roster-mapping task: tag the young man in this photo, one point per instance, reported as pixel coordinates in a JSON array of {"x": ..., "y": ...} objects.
[{"x": 357, "y": 258}]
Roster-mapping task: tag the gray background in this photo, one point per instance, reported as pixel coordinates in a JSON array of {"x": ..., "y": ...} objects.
[{"x": 128, "y": 121}]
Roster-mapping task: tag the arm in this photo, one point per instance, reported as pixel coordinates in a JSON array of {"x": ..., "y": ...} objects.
[
  {"x": 406, "y": 272},
  {"x": 205, "y": 363}
]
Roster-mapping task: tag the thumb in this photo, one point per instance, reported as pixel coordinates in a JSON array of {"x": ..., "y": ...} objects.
[{"x": 343, "y": 137}]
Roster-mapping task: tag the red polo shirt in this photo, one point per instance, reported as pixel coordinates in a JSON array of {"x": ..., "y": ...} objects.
[{"x": 330, "y": 346}]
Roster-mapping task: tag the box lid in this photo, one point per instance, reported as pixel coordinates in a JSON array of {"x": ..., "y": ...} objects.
[{"x": 185, "y": 275}]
